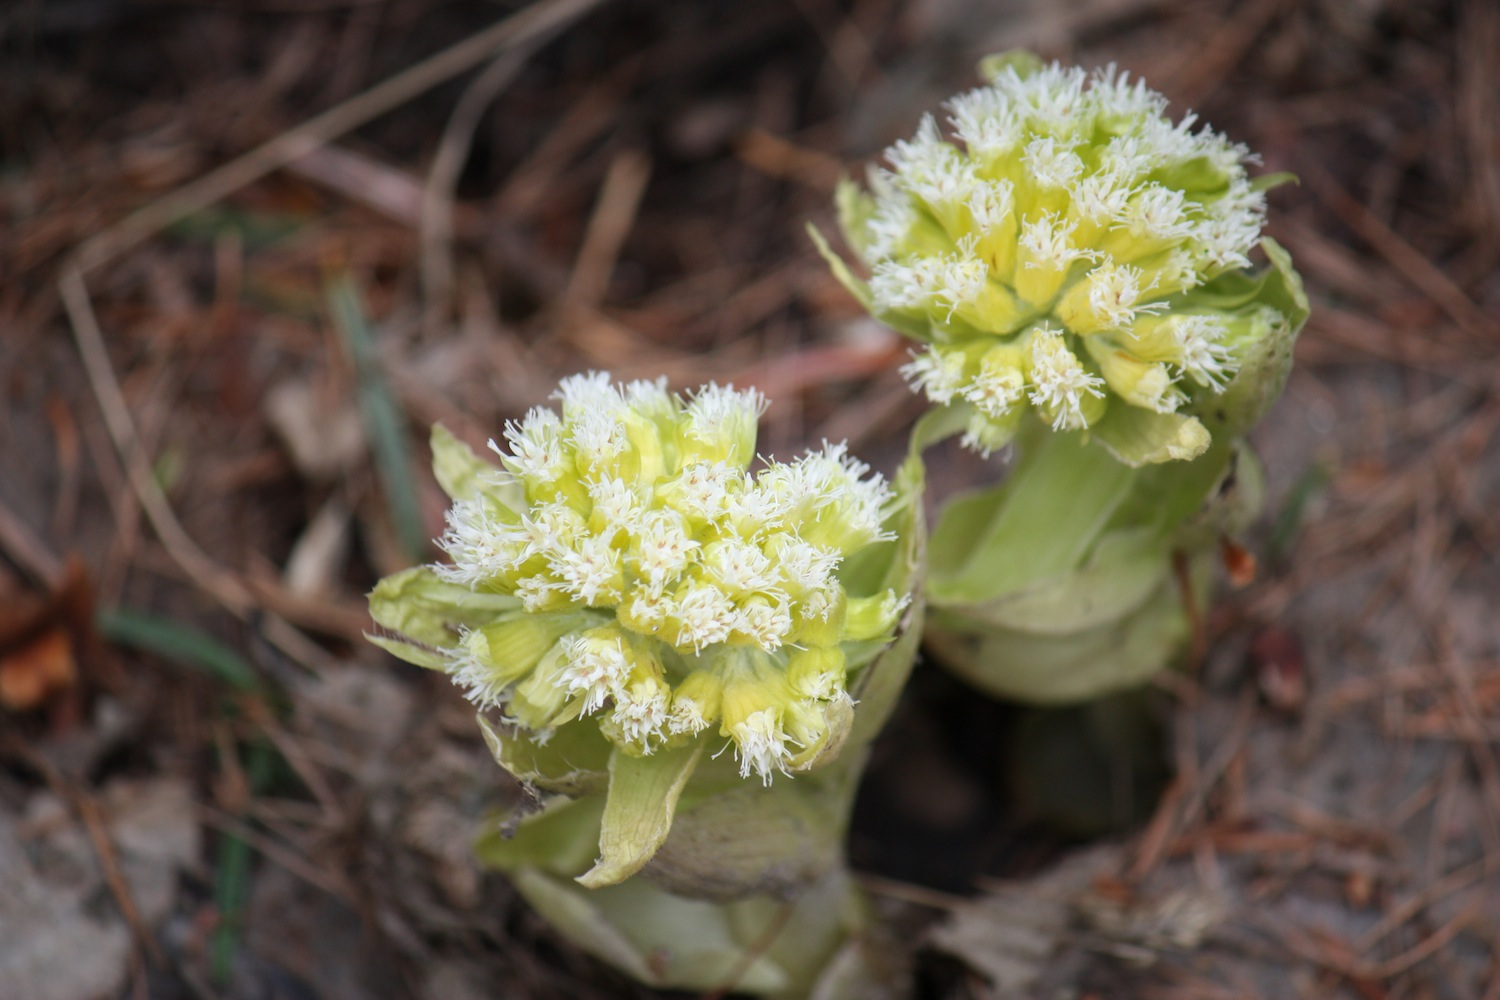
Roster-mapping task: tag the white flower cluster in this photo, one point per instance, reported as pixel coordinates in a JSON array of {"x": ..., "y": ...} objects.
[
  {"x": 664, "y": 586},
  {"x": 1038, "y": 252}
]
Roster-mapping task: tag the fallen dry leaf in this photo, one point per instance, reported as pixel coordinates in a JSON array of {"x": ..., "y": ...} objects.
[
  {"x": 46, "y": 642},
  {"x": 32, "y": 673}
]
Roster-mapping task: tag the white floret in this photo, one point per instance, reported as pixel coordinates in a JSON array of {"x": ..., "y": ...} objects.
[
  {"x": 549, "y": 530},
  {"x": 932, "y": 169},
  {"x": 991, "y": 204},
  {"x": 1100, "y": 197},
  {"x": 1115, "y": 97},
  {"x": 1047, "y": 240},
  {"x": 649, "y": 606},
  {"x": 536, "y": 591},
  {"x": 706, "y": 616},
  {"x": 889, "y": 226},
  {"x": 475, "y": 678},
  {"x": 596, "y": 669},
  {"x": 739, "y": 567},
  {"x": 1204, "y": 358},
  {"x": 866, "y": 506},
  {"x": 1231, "y": 226},
  {"x": 686, "y": 716},
  {"x": 767, "y": 624},
  {"x": 937, "y": 374},
  {"x": 1125, "y": 159},
  {"x": 987, "y": 123},
  {"x": 479, "y": 545},
  {"x": 996, "y": 393},
  {"x": 1052, "y": 98},
  {"x": 806, "y": 567},
  {"x": 663, "y": 547},
  {"x": 1157, "y": 212},
  {"x": 704, "y": 488},
  {"x": 1052, "y": 163},
  {"x": 761, "y": 745},
  {"x": 598, "y": 435},
  {"x": 590, "y": 572},
  {"x": 1115, "y": 295},
  {"x": 716, "y": 413},
  {"x": 1059, "y": 383},
  {"x": 1177, "y": 142},
  {"x": 617, "y": 502},
  {"x": 832, "y": 478},
  {"x": 756, "y": 509},
  {"x": 537, "y": 451},
  {"x": 962, "y": 279},
  {"x": 650, "y": 397},
  {"x": 591, "y": 391},
  {"x": 641, "y": 712},
  {"x": 908, "y": 284}
]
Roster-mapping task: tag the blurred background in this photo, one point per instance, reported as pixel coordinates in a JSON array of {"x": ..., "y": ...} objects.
[{"x": 250, "y": 250}]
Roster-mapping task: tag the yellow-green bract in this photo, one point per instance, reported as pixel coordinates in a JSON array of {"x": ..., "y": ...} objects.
[
  {"x": 1060, "y": 256},
  {"x": 631, "y": 598}
]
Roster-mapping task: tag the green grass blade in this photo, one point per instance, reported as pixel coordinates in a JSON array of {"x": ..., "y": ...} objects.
[
  {"x": 232, "y": 872},
  {"x": 385, "y": 426},
  {"x": 181, "y": 644}
]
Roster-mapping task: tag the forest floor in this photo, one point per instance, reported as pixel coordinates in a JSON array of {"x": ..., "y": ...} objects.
[{"x": 241, "y": 274}]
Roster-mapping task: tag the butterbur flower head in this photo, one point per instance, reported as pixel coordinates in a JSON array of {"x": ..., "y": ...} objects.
[
  {"x": 1056, "y": 248},
  {"x": 666, "y": 590}
]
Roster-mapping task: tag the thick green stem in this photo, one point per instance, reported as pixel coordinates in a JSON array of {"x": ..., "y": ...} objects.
[{"x": 1057, "y": 584}]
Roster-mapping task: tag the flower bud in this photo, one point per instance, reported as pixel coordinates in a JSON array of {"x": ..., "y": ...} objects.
[
  {"x": 497, "y": 654},
  {"x": 873, "y": 617},
  {"x": 1063, "y": 207},
  {"x": 696, "y": 703},
  {"x": 542, "y": 699},
  {"x": 627, "y": 590},
  {"x": 816, "y": 672},
  {"x": 754, "y": 705},
  {"x": 719, "y": 426}
]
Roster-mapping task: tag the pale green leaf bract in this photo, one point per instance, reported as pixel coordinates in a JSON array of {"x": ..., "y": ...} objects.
[
  {"x": 855, "y": 285},
  {"x": 1267, "y": 361},
  {"x": 1118, "y": 576},
  {"x": 421, "y": 605},
  {"x": 573, "y": 760},
  {"x": 1023, "y": 62},
  {"x": 638, "y": 809},
  {"x": 661, "y": 940},
  {"x": 855, "y": 208},
  {"x": 1139, "y": 437},
  {"x": 411, "y": 652},
  {"x": 562, "y": 839},
  {"x": 1051, "y": 669},
  {"x": 459, "y": 471}
]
